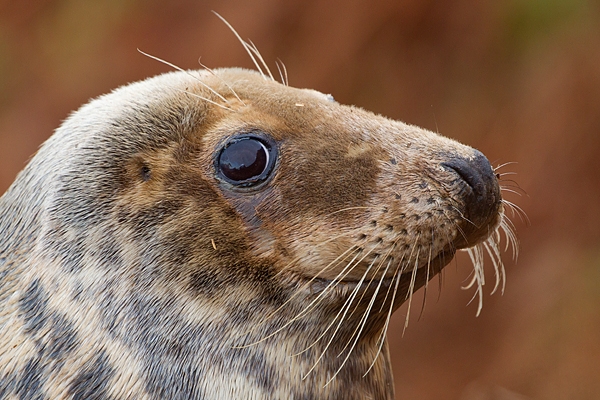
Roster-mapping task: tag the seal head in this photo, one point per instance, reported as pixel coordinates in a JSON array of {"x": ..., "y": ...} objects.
[{"x": 219, "y": 235}]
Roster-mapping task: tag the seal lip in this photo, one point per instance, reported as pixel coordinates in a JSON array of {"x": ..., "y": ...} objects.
[
  {"x": 255, "y": 183},
  {"x": 318, "y": 285}
]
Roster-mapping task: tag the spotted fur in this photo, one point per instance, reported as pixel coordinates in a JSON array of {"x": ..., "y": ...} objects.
[{"x": 128, "y": 270}]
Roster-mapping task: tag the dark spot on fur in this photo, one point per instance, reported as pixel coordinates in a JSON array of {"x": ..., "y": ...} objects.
[
  {"x": 145, "y": 221},
  {"x": 430, "y": 200},
  {"x": 207, "y": 282},
  {"x": 145, "y": 173},
  {"x": 414, "y": 200},
  {"x": 59, "y": 338},
  {"x": 66, "y": 249},
  {"x": 259, "y": 370},
  {"x": 33, "y": 304},
  {"x": 93, "y": 380},
  {"x": 29, "y": 386},
  {"x": 70, "y": 249},
  {"x": 393, "y": 161},
  {"x": 109, "y": 249},
  {"x": 397, "y": 196},
  {"x": 423, "y": 185},
  {"x": 162, "y": 337}
]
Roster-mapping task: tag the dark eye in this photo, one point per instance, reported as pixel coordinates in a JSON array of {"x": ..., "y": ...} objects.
[{"x": 246, "y": 161}]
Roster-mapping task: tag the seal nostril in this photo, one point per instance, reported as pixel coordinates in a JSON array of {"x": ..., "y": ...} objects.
[
  {"x": 477, "y": 172},
  {"x": 479, "y": 190}
]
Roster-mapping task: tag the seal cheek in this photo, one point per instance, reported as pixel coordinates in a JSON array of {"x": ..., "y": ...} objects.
[{"x": 326, "y": 180}]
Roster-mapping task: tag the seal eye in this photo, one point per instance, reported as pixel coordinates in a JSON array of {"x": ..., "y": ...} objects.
[{"x": 245, "y": 161}]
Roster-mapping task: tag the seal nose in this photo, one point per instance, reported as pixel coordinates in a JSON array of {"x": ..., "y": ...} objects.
[{"x": 480, "y": 192}]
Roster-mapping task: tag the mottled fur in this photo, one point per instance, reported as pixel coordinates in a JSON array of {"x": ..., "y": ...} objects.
[{"x": 129, "y": 271}]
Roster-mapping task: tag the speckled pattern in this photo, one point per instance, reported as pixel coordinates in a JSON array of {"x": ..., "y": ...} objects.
[{"x": 128, "y": 270}]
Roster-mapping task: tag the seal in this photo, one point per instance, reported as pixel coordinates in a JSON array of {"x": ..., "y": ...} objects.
[{"x": 217, "y": 235}]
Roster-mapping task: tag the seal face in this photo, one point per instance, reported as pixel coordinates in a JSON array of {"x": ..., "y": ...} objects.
[{"x": 216, "y": 234}]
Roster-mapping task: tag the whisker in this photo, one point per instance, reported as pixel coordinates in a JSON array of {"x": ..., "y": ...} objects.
[
  {"x": 285, "y": 74},
  {"x": 373, "y": 277},
  {"x": 280, "y": 72},
  {"x": 222, "y": 81},
  {"x": 426, "y": 278},
  {"x": 411, "y": 287},
  {"x": 463, "y": 217},
  {"x": 306, "y": 284},
  {"x": 207, "y": 100},
  {"x": 342, "y": 277},
  {"x": 504, "y": 165},
  {"x": 506, "y": 173},
  {"x": 381, "y": 339},
  {"x": 309, "y": 307},
  {"x": 387, "y": 293},
  {"x": 243, "y": 42},
  {"x": 362, "y": 324},
  {"x": 346, "y": 307},
  {"x": 254, "y": 49},
  {"x": 187, "y": 73},
  {"x": 478, "y": 276},
  {"x": 494, "y": 253},
  {"x": 507, "y": 227},
  {"x": 517, "y": 210},
  {"x": 508, "y": 189}
]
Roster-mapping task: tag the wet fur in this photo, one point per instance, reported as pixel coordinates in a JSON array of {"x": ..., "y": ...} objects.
[{"x": 129, "y": 271}]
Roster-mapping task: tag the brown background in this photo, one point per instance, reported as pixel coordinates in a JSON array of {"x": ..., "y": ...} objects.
[{"x": 518, "y": 79}]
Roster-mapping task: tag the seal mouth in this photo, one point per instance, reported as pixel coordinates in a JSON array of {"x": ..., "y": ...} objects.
[{"x": 402, "y": 281}]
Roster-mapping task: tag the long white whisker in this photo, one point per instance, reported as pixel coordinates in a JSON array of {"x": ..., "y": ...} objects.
[
  {"x": 411, "y": 287},
  {"x": 339, "y": 277},
  {"x": 478, "y": 277},
  {"x": 222, "y": 81},
  {"x": 494, "y": 253},
  {"x": 504, "y": 165},
  {"x": 285, "y": 74},
  {"x": 254, "y": 49},
  {"x": 243, "y": 42},
  {"x": 346, "y": 307},
  {"x": 427, "y": 277},
  {"x": 207, "y": 100},
  {"x": 306, "y": 309},
  {"x": 517, "y": 210},
  {"x": 506, "y": 189},
  {"x": 373, "y": 277},
  {"x": 187, "y": 73},
  {"x": 381, "y": 339},
  {"x": 362, "y": 324}
]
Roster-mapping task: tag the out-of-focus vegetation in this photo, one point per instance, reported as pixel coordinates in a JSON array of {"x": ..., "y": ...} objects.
[{"x": 519, "y": 79}]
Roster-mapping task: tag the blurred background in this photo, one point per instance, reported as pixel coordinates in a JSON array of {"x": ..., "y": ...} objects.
[{"x": 518, "y": 79}]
